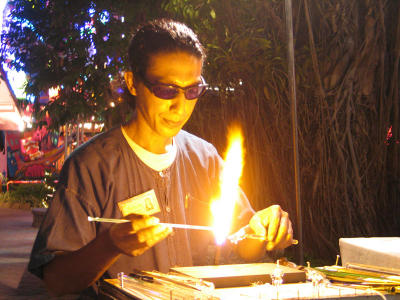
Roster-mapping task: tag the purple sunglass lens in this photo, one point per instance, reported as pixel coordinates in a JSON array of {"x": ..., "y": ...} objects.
[
  {"x": 165, "y": 92},
  {"x": 194, "y": 92}
]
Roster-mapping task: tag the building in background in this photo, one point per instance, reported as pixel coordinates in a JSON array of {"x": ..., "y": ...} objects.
[{"x": 10, "y": 120}]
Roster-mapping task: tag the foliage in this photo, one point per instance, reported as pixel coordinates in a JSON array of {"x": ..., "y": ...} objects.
[
  {"x": 32, "y": 194},
  {"x": 36, "y": 195},
  {"x": 50, "y": 181},
  {"x": 79, "y": 46}
]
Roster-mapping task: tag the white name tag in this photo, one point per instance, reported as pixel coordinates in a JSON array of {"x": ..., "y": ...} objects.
[{"x": 143, "y": 204}]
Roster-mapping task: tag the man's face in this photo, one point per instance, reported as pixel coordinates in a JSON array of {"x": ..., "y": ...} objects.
[{"x": 162, "y": 118}]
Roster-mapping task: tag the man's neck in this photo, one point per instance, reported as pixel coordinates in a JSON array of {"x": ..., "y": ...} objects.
[{"x": 153, "y": 143}]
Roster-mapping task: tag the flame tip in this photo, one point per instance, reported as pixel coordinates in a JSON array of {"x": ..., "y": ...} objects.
[{"x": 222, "y": 208}]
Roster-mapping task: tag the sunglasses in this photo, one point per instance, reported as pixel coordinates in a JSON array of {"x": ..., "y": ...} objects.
[{"x": 170, "y": 91}]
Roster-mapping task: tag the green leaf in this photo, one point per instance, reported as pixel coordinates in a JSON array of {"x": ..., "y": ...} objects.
[{"x": 213, "y": 14}]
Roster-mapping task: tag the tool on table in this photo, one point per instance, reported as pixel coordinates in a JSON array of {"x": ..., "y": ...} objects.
[{"x": 155, "y": 285}]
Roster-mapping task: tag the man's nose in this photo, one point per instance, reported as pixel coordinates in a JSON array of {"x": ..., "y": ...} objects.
[{"x": 178, "y": 104}]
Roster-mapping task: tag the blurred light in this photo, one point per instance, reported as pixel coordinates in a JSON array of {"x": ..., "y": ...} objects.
[
  {"x": 17, "y": 80},
  {"x": 53, "y": 92},
  {"x": 21, "y": 125},
  {"x": 87, "y": 29},
  {"x": 104, "y": 16},
  {"x": 7, "y": 107},
  {"x": 98, "y": 126},
  {"x": 91, "y": 12},
  {"x": 92, "y": 50},
  {"x": 112, "y": 104},
  {"x": 2, "y": 6},
  {"x": 30, "y": 98}
]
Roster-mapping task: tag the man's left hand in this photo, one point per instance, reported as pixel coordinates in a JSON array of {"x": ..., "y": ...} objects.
[{"x": 274, "y": 224}]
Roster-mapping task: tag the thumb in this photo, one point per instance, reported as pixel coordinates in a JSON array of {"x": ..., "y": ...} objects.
[{"x": 257, "y": 226}]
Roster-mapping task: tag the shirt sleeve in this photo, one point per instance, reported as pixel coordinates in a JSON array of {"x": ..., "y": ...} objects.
[{"x": 65, "y": 226}]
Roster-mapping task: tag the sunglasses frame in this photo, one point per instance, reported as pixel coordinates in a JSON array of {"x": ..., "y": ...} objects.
[{"x": 151, "y": 87}]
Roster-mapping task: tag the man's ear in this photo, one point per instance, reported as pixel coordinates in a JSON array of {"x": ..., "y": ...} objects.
[{"x": 130, "y": 82}]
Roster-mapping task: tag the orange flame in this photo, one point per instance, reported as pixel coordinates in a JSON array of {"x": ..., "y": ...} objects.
[{"x": 222, "y": 208}]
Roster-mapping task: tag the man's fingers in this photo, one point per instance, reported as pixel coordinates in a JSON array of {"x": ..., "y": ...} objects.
[
  {"x": 137, "y": 243},
  {"x": 274, "y": 224},
  {"x": 143, "y": 222},
  {"x": 289, "y": 237},
  {"x": 153, "y": 233},
  {"x": 283, "y": 228},
  {"x": 284, "y": 237},
  {"x": 274, "y": 220},
  {"x": 159, "y": 237},
  {"x": 257, "y": 225},
  {"x": 137, "y": 223},
  {"x": 138, "y": 235}
]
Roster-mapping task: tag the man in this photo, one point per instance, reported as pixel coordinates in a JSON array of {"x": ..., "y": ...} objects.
[{"x": 151, "y": 152}]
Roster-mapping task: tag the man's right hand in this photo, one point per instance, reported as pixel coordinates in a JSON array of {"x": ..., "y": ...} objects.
[{"x": 141, "y": 233}]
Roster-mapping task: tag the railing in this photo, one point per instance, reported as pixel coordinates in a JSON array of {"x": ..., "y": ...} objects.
[{"x": 22, "y": 182}]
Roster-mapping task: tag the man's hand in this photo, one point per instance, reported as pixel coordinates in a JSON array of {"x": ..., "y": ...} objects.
[
  {"x": 141, "y": 233},
  {"x": 274, "y": 224}
]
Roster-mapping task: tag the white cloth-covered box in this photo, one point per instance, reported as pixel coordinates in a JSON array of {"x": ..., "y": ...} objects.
[{"x": 374, "y": 251}]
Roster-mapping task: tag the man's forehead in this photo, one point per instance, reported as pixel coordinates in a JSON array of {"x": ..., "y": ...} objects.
[{"x": 179, "y": 68}]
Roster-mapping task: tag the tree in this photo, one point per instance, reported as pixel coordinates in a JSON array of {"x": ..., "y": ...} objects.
[{"x": 77, "y": 46}]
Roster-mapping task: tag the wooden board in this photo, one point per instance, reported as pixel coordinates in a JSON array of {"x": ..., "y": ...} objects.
[{"x": 241, "y": 274}]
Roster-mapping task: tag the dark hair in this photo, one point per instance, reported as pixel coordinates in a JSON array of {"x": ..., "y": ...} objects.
[{"x": 161, "y": 35}]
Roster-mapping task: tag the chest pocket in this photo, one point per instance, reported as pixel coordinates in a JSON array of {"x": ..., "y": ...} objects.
[{"x": 198, "y": 211}]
